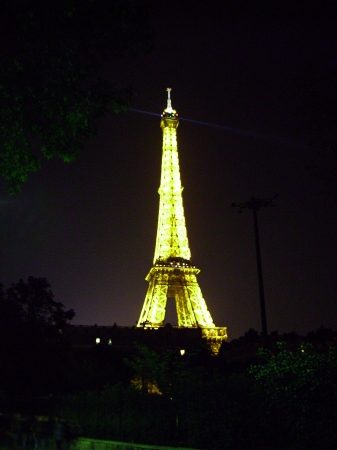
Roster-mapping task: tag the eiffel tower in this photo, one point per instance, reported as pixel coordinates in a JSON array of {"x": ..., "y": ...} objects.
[{"x": 172, "y": 273}]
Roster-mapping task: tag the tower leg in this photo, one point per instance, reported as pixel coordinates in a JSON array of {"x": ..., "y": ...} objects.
[{"x": 154, "y": 308}]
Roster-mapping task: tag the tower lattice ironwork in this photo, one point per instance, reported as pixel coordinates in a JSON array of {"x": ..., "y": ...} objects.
[{"x": 172, "y": 273}]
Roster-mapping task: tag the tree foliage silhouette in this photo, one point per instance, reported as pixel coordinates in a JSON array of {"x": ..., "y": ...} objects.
[
  {"x": 298, "y": 396},
  {"x": 51, "y": 94},
  {"x": 33, "y": 354},
  {"x": 33, "y": 303}
]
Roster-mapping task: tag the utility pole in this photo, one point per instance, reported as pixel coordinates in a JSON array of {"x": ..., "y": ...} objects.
[{"x": 256, "y": 204}]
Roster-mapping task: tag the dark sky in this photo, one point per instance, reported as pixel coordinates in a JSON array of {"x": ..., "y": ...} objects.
[{"x": 89, "y": 227}]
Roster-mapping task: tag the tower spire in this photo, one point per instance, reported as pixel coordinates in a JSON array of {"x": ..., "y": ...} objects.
[
  {"x": 172, "y": 273},
  {"x": 169, "y": 106}
]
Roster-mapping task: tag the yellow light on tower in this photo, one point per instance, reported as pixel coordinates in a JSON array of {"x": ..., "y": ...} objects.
[{"x": 172, "y": 273}]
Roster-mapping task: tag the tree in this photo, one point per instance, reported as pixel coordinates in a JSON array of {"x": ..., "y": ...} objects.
[
  {"x": 298, "y": 398},
  {"x": 32, "y": 303},
  {"x": 158, "y": 372},
  {"x": 33, "y": 356},
  {"x": 51, "y": 95}
]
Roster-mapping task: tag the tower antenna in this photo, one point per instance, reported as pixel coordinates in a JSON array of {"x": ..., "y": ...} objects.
[{"x": 169, "y": 106}]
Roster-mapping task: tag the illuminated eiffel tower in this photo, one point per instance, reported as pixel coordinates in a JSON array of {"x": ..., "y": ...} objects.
[{"x": 172, "y": 273}]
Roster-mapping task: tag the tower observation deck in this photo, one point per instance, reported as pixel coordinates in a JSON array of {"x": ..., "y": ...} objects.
[{"x": 172, "y": 273}]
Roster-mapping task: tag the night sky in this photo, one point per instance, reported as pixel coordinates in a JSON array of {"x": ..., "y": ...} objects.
[{"x": 89, "y": 227}]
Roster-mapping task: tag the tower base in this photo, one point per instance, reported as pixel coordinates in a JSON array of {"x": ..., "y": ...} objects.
[
  {"x": 174, "y": 277},
  {"x": 177, "y": 278}
]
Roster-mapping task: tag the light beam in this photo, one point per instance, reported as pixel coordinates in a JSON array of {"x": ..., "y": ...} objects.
[{"x": 275, "y": 139}]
